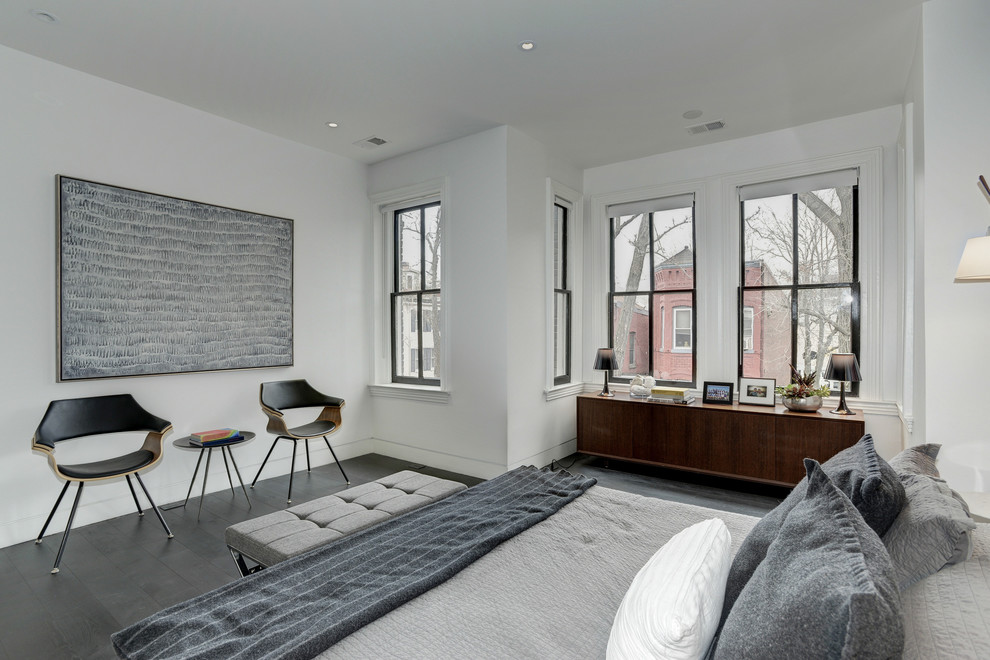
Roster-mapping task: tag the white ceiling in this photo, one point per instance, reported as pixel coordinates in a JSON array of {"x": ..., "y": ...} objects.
[{"x": 608, "y": 80}]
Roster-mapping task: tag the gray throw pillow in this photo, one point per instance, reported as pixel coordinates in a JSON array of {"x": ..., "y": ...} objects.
[
  {"x": 824, "y": 590},
  {"x": 933, "y": 529},
  {"x": 860, "y": 473},
  {"x": 919, "y": 459}
]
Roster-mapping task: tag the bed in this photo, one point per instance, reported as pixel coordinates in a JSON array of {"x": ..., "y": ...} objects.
[{"x": 552, "y": 591}]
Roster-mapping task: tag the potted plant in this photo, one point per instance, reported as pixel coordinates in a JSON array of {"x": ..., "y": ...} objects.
[{"x": 801, "y": 395}]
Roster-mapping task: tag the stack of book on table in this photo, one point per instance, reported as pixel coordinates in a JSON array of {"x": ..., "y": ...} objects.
[
  {"x": 214, "y": 437},
  {"x": 666, "y": 394}
]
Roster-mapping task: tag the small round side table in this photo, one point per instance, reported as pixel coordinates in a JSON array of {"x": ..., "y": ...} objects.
[{"x": 186, "y": 443}]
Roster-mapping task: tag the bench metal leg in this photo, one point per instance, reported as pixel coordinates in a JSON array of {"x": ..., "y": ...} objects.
[
  {"x": 134, "y": 495},
  {"x": 242, "y": 567},
  {"x": 334, "y": 454},
  {"x": 50, "y": 515}
]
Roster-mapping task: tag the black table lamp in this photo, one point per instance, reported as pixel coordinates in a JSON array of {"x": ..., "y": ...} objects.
[
  {"x": 605, "y": 361},
  {"x": 844, "y": 367}
]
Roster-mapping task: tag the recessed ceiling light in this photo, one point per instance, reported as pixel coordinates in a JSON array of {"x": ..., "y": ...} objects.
[
  {"x": 526, "y": 45},
  {"x": 332, "y": 124},
  {"x": 44, "y": 16},
  {"x": 692, "y": 114}
]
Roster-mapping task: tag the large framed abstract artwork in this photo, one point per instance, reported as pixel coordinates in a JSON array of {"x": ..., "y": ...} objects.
[{"x": 149, "y": 285}]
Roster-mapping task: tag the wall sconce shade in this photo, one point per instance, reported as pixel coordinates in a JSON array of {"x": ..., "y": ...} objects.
[
  {"x": 843, "y": 367},
  {"x": 605, "y": 361}
]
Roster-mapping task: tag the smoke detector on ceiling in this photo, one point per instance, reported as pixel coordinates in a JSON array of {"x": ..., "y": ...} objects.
[
  {"x": 707, "y": 127},
  {"x": 372, "y": 142}
]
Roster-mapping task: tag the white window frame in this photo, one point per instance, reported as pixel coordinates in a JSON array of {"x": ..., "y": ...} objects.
[
  {"x": 560, "y": 194},
  {"x": 674, "y": 348},
  {"x": 869, "y": 163},
  {"x": 748, "y": 317},
  {"x": 384, "y": 206}
]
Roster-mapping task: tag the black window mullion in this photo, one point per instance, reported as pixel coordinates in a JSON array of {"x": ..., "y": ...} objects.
[
  {"x": 650, "y": 298},
  {"x": 795, "y": 255}
]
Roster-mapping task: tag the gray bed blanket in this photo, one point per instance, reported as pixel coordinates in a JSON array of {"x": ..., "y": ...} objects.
[{"x": 302, "y": 606}]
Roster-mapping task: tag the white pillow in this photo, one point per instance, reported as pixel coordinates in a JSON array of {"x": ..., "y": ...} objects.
[{"x": 673, "y": 606}]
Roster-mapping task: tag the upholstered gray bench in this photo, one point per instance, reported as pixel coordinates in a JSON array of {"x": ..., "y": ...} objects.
[{"x": 269, "y": 539}]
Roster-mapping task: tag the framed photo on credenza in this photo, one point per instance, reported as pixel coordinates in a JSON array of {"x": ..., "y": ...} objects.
[
  {"x": 757, "y": 391},
  {"x": 720, "y": 393}
]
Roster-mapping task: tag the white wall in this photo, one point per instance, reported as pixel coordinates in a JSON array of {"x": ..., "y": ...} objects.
[
  {"x": 60, "y": 121},
  {"x": 955, "y": 150},
  {"x": 709, "y": 167},
  {"x": 497, "y": 416},
  {"x": 538, "y": 430},
  {"x": 468, "y": 433}
]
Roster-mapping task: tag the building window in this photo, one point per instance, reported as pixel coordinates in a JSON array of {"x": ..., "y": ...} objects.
[
  {"x": 747, "y": 329},
  {"x": 652, "y": 268},
  {"x": 632, "y": 350},
  {"x": 800, "y": 276},
  {"x": 561, "y": 299},
  {"x": 416, "y": 295},
  {"x": 683, "y": 318}
]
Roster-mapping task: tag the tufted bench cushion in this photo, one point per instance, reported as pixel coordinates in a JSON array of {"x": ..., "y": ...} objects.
[{"x": 277, "y": 536}]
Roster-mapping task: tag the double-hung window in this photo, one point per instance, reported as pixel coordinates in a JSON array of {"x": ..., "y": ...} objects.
[
  {"x": 561, "y": 299},
  {"x": 800, "y": 291},
  {"x": 652, "y": 274},
  {"x": 416, "y": 340}
]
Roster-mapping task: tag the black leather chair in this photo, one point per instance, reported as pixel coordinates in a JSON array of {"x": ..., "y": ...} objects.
[
  {"x": 66, "y": 419},
  {"x": 282, "y": 395}
]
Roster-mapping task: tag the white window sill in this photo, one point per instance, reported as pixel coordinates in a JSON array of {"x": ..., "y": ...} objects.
[
  {"x": 562, "y": 391},
  {"x": 410, "y": 393}
]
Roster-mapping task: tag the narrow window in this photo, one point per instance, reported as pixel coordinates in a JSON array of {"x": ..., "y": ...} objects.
[
  {"x": 416, "y": 295},
  {"x": 561, "y": 299},
  {"x": 682, "y": 329},
  {"x": 747, "y": 332},
  {"x": 632, "y": 350}
]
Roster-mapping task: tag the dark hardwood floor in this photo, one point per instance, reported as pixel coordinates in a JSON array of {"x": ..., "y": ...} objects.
[{"x": 119, "y": 571}]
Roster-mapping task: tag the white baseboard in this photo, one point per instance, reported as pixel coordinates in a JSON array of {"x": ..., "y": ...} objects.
[
  {"x": 542, "y": 458},
  {"x": 442, "y": 460}
]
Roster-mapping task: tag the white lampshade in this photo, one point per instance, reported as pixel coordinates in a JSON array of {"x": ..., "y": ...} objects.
[{"x": 975, "y": 263}]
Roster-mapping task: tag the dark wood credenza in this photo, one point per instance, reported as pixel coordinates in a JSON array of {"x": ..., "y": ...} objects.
[{"x": 755, "y": 443}]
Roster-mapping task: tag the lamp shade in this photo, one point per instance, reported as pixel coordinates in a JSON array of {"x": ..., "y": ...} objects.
[
  {"x": 605, "y": 360},
  {"x": 975, "y": 263},
  {"x": 844, "y": 367}
]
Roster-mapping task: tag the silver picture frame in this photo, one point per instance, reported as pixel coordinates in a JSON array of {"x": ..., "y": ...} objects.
[{"x": 758, "y": 391}]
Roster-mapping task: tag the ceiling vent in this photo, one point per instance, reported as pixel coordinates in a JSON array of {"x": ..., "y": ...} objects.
[
  {"x": 372, "y": 142},
  {"x": 706, "y": 127}
]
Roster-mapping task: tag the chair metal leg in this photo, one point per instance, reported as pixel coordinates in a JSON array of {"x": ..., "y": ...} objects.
[
  {"x": 308, "y": 466},
  {"x": 68, "y": 527},
  {"x": 57, "y": 502},
  {"x": 154, "y": 506},
  {"x": 334, "y": 454},
  {"x": 264, "y": 461},
  {"x": 293, "y": 470},
  {"x": 134, "y": 495}
]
